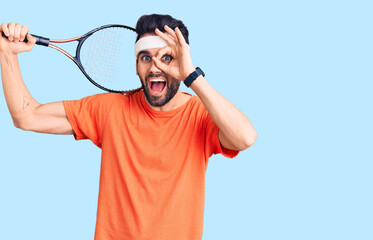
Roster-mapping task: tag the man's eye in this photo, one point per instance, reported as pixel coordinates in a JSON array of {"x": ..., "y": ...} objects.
[
  {"x": 167, "y": 58},
  {"x": 145, "y": 58}
]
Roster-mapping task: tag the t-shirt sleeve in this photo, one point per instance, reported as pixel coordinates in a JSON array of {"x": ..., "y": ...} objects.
[
  {"x": 213, "y": 145},
  {"x": 88, "y": 116}
]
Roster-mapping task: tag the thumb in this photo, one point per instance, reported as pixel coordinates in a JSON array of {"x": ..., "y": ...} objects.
[{"x": 30, "y": 41}]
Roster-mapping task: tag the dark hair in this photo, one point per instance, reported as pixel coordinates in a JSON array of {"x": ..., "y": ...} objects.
[{"x": 148, "y": 24}]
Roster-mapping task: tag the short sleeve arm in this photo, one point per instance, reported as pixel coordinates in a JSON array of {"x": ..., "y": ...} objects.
[
  {"x": 213, "y": 145},
  {"x": 88, "y": 116}
]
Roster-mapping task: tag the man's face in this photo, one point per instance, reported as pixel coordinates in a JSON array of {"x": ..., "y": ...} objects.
[{"x": 159, "y": 88}]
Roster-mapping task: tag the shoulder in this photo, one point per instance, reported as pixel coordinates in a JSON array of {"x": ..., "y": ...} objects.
[
  {"x": 197, "y": 109},
  {"x": 105, "y": 98},
  {"x": 111, "y": 98},
  {"x": 102, "y": 97},
  {"x": 102, "y": 101},
  {"x": 196, "y": 103}
]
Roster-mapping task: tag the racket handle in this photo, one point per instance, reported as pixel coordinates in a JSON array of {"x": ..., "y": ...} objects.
[{"x": 39, "y": 40}]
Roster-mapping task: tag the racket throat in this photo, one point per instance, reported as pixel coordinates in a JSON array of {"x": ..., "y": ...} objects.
[{"x": 62, "y": 51}]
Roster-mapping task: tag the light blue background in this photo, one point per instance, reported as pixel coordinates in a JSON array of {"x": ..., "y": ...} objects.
[{"x": 300, "y": 70}]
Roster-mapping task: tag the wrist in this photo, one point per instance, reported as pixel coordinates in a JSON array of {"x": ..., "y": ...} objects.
[
  {"x": 193, "y": 76},
  {"x": 4, "y": 55},
  {"x": 189, "y": 71},
  {"x": 7, "y": 57}
]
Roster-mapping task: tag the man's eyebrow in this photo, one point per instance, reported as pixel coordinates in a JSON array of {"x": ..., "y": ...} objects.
[{"x": 143, "y": 52}]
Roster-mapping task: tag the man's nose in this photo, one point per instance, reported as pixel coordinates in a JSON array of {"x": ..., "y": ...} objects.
[{"x": 154, "y": 68}]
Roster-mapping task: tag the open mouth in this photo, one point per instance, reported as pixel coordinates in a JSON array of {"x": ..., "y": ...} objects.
[{"x": 157, "y": 85}]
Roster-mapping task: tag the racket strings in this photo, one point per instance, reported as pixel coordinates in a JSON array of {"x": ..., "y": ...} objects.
[
  {"x": 107, "y": 57},
  {"x": 101, "y": 56}
]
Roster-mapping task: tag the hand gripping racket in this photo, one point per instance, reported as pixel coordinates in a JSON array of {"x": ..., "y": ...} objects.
[{"x": 105, "y": 55}]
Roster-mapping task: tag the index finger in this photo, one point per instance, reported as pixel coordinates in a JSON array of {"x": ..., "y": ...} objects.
[
  {"x": 4, "y": 29},
  {"x": 163, "y": 51},
  {"x": 168, "y": 39},
  {"x": 170, "y": 31}
]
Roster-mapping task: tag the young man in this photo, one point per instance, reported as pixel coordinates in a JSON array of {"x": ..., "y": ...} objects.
[{"x": 155, "y": 143}]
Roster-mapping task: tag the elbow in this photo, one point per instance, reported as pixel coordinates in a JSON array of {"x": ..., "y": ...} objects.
[
  {"x": 17, "y": 124},
  {"x": 25, "y": 120},
  {"x": 239, "y": 142},
  {"x": 248, "y": 140},
  {"x": 21, "y": 123}
]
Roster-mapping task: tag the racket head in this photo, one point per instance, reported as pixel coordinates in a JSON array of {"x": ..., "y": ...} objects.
[{"x": 106, "y": 57}]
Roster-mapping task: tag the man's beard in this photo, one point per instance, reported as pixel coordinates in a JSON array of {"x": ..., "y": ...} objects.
[{"x": 172, "y": 88}]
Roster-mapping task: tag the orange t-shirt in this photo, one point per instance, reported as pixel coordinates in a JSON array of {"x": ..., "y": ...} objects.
[{"x": 152, "y": 183}]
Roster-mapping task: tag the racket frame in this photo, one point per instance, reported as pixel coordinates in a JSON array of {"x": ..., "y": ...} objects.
[{"x": 42, "y": 41}]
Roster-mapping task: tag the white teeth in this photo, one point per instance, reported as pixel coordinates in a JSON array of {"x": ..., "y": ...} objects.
[{"x": 157, "y": 80}]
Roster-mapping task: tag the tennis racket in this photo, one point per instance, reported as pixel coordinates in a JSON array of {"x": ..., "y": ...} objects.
[{"x": 105, "y": 55}]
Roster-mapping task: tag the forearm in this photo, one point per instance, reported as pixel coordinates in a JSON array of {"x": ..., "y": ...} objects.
[
  {"x": 18, "y": 98},
  {"x": 235, "y": 129}
]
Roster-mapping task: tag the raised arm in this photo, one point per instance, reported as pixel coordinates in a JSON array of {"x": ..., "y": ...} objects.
[
  {"x": 26, "y": 112},
  {"x": 235, "y": 129}
]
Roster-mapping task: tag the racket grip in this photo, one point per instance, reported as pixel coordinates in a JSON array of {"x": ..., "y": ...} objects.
[{"x": 39, "y": 40}]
